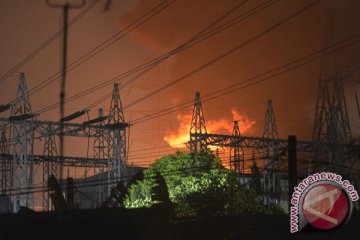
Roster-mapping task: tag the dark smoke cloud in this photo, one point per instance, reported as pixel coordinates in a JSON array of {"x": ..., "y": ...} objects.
[{"x": 293, "y": 94}]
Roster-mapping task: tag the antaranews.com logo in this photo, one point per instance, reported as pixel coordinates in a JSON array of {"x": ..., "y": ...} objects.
[{"x": 323, "y": 201}]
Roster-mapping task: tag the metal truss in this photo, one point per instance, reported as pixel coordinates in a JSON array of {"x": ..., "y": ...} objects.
[
  {"x": 271, "y": 177},
  {"x": 68, "y": 161},
  {"x": 237, "y": 162},
  {"x": 116, "y": 139},
  {"x": 52, "y": 128},
  {"x": 100, "y": 151},
  {"x": 257, "y": 143},
  {"x": 22, "y": 145},
  {"x": 5, "y": 164},
  {"x": 197, "y": 145},
  {"x": 331, "y": 122},
  {"x": 17, "y": 166},
  {"x": 49, "y": 168}
]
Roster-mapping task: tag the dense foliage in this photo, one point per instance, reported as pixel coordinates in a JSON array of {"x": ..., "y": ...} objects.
[{"x": 197, "y": 185}]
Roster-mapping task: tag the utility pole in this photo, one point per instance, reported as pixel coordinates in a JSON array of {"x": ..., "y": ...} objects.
[{"x": 65, "y": 7}]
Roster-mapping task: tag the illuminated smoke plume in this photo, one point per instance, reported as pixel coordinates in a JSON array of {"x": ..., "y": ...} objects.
[{"x": 177, "y": 138}]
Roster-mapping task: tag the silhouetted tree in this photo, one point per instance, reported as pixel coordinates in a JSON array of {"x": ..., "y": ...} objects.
[{"x": 195, "y": 185}]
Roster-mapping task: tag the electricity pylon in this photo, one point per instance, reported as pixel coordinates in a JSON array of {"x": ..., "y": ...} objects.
[
  {"x": 117, "y": 157},
  {"x": 100, "y": 152},
  {"x": 5, "y": 164},
  {"x": 23, "y": 139},
  {"x": 50, "y": 167},
  {"x": 197, "y": 144},
  {"x": 331, "y": 124},
  {"x": 271, "y": 178},
  {"x": 237, "y": 162}
]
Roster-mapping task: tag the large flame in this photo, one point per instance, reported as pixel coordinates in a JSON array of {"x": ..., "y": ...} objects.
[{"x": 177, "y": 138}]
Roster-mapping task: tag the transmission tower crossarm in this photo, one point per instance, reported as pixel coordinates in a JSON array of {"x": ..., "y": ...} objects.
[
  {"x": 114, "y": 126},
  {"x": 73, "y": 116},
  {"x": 46, "y": 128},
  {"x": 68, "y": 160},
  {"x": 5, "y": 107},
  {"x": 257, "y": 143},
  {"x": 95, "y": 120},
  {"x": 21, "y": 117}
]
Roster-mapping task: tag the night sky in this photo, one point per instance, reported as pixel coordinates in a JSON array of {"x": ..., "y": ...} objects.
[{"x": 25, "y": 25}]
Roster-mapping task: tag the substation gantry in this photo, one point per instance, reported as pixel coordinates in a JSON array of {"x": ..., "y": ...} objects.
[
  {"x": 22, "y": 130},
  {"x": 270, "y": 147}
]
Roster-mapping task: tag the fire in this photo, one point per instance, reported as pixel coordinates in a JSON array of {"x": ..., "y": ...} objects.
[
  {"x": 181, "y": 136},
  {"x": 221, "y": 126}
]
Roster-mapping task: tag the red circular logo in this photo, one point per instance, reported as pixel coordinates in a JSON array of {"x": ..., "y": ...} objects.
[{"x": 325, "y": 206}]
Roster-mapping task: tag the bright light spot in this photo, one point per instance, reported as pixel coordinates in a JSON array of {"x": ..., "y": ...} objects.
[{"x": 219, "y": 126}]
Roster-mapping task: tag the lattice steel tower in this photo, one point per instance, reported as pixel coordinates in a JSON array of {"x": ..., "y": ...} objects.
[
  {"x": 197, "y": 144},
  {"x": 331, "y": 124},
  {"x": 5, "y": 164},
  {"x": 117, "y": 158},
  {"x": 237, "y": 162},
  {"x": 271, "y": 178},
  {"x": 100, "y": 152},
  {"x": 50, "y": 166},
  {"x": 23, "y": 138}
]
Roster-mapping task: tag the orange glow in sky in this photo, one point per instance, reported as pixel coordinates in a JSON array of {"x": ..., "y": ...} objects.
[{"x": 220, "y": 126}]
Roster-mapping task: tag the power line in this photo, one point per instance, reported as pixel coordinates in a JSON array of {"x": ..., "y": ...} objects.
[
  {"x": 194, "y": 169},
  {"x": 167, "y": 146},
  {"x": 173, "y": 150},
  {"x": 292, "y": 65},
  {"x": 107, "y": 43},
  {"x": 144, "y": 68},
  {"x": 276, "y": 72},
  {"x": 45, "y": 44},
  {"x": 97, "y": 182},
  {"x": 204, "y": 34},
  {"x": 226, "y": 54}
]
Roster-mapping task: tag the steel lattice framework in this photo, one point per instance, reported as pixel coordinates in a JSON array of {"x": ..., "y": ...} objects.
[
  {"x": 269, "y": 146},
  {"x": 197, "y": 145},
  {"x": 331, "y": 122},
  {"x": 257, "y": 143},
  {"x": 22, "y": 144},
  {"x": 6, "y": 164},
  {"x": 18, "y": 162},
  {"x": 116, "y": 139},
  {"x": 100, "y": 152},
  {"x": 237, "y": 162},
  {"x": 271, "y": 183},
  {"x": 49, "y": 167},
  {"x": 307, "y": 147}
]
